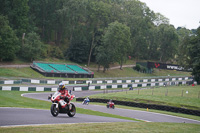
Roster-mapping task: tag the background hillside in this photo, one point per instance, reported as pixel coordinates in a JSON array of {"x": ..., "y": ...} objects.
[
  {"x": 97, "y": 31},
  {"x": 19, "y": 68}
]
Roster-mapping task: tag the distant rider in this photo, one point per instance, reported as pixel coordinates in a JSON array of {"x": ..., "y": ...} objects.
[
  {"x": 110, "y": 101},
  {"x": 86, "y": 100}
]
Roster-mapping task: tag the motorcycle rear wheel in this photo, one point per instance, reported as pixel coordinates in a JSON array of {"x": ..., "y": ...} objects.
[
  {"x": 72, "y": 112},
  {"x": 54, "y": 110}
]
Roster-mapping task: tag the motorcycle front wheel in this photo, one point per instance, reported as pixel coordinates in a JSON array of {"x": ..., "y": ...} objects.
[
  {"x": 72, "y": 112},
  {"x": 54, "y": 110}
]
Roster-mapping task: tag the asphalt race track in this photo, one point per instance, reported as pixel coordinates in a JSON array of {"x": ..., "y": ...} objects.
[
  {"x": 22, "y": 116},
  {"x": 141, "y": 115}
]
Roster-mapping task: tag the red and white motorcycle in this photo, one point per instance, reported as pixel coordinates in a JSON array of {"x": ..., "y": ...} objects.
[{"x": 61, "y": 105}]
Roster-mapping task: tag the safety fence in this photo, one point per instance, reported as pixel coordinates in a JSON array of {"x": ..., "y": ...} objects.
[
  {"x": 134, "y": 85},
  {"x": 10, "y": 81},
  {"x": 96, "y": 87},
  {"x": 98, "y": 81},
  {"x": 149, "y": 106}
]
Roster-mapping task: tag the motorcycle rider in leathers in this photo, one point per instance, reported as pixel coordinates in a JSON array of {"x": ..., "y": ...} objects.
[{"x": 64, "y": 93}]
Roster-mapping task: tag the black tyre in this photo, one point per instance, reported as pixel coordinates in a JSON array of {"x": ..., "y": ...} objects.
[
  {"x": 107, "y": 106},
  {"x": 72, "y": 112},
  {"x": 54, "y": 110}
]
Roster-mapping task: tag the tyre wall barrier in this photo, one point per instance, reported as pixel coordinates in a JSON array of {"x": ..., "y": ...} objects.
[
  {"x": 149, "y": 106},
  {"x": 37, "y": 81}
]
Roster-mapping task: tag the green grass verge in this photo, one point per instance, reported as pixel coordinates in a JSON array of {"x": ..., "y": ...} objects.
[
  {"x": 14, "y": 99},
  {"x": 27, "y": 72},
  {"x": 132, "y": 127},
  {"x": 171, "y": 96},
  {"x": 129, "y": 72}
]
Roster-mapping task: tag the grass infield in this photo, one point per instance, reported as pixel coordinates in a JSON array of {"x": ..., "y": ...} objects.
[
  {"x": 178, "y": 96},
  {"x": 132, "y": 127}
]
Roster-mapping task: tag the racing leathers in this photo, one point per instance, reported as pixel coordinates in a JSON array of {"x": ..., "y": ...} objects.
[{"x": 65, "y": 95}]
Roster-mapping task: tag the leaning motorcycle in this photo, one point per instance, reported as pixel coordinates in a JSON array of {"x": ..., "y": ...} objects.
[
  {"x": 86, "y": 101},
  {"x": 61, "y": 105}
]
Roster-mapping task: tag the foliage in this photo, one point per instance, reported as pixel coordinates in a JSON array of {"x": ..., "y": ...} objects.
[
  {"x": 8, "y": 40},
  {"x": 17, "y": 13},
  {"x": 137, "y": 67},
  {"x": 32, "y": 47},
  {"x": 194, "y": 54},
  {"x": 54, "y": 51},
  {"x": 80, "y": 27},
  {"x": 117, "y": 37},
  {"x": 168, "y": 41},
  {"x": 183, "y": 49},
  {"x": 104, "y": 57},
  {"x": 140, "y": 68},
  {"x": 77, "y": 51}
]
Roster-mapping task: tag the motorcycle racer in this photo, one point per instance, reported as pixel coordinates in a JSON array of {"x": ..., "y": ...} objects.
[
  {"x": 61, "y": 102},
  {"x": 110, "y": 104},
  {"x": 64, "y": 92},
  {"x": 86, "y": 101}
]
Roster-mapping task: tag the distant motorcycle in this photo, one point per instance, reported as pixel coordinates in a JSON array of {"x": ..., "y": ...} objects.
[
  {"x": 86, "y": 101},
  {"x": 110, "y": 104},
  {"x": 59, "y": 105}
]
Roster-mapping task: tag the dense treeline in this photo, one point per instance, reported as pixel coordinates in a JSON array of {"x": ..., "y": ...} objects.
[{"x": 101, "y": 31}]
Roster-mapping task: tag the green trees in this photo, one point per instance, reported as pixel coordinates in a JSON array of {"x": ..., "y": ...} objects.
[
  {"x": 32, "y": 47},
  {"x": 78, "y": 49},
  {"x": 183, "y": 48},
  {"x": 168, "y": 40},
  {"x": 8, "y": 41},
  {"x": 104, "y": 56},
  {"x": 189, "y": 51},
  {"x": 102, "y": 31},
  {"x": 116, "y": 44},
  {"x": 97, "y": 19},
  {"x": 194, "y": 54},
  {"x": 118, "y": 35},
  {"x": 17, "y": 14}
]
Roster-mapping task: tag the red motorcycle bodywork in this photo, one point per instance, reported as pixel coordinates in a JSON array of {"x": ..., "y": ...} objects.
[
  {"x": 110, "y": 105},
  {"x": 56, "y": 98}
]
